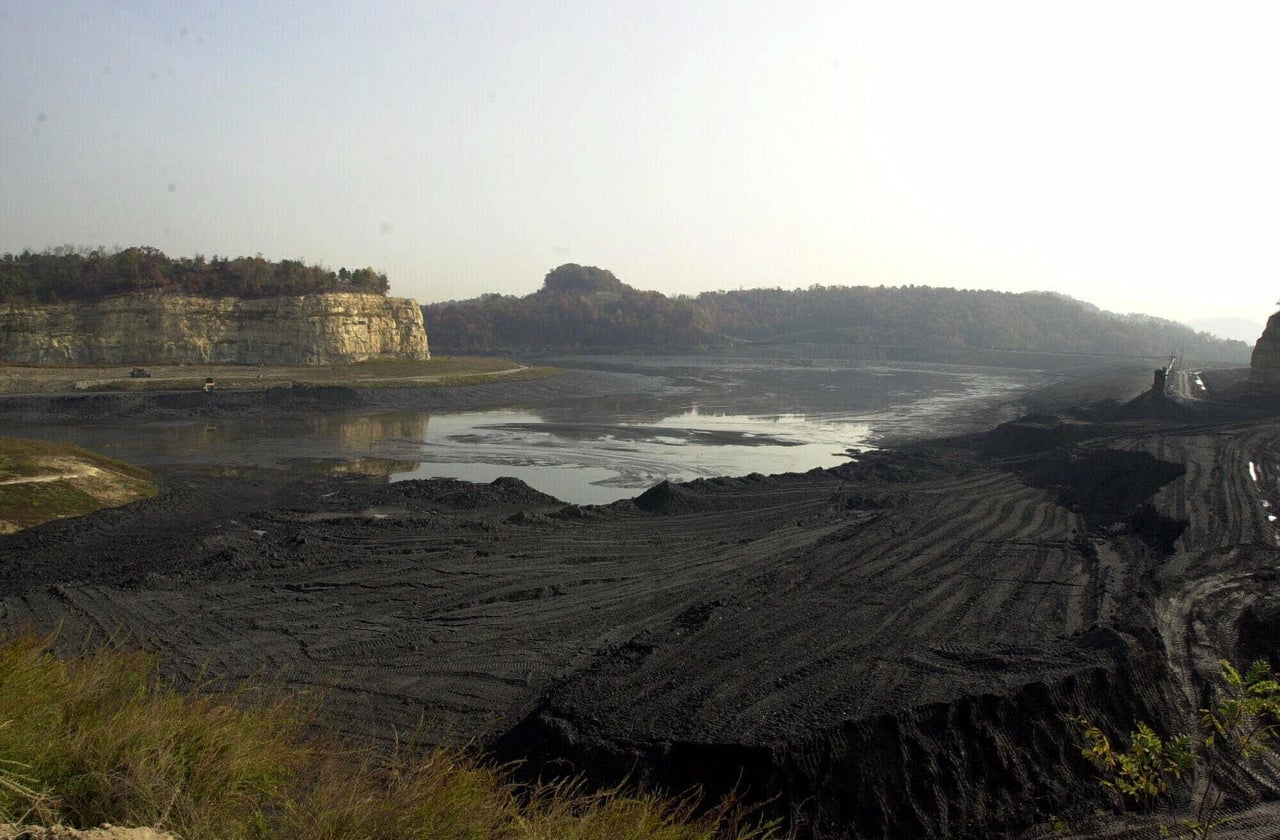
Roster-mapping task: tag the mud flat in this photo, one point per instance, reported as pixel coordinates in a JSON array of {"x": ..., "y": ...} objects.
[
  {"x": 887, "y": 649},
  {"x": 294, "y": 398}
]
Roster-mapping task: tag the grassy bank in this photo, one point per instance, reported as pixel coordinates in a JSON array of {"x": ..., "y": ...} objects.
[
  {"x": 102, "y": 738},
  {"x": 43, "y": 480}
]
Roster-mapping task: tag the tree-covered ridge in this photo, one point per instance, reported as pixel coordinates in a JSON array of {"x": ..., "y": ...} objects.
[
  {"x": 70, "y": 274},
  {"x": 572, "y": 278},
  {"x": 577, "y": 307},
  {"x": 588, "y": 308}
]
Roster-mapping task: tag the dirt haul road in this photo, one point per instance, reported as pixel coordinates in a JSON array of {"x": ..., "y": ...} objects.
[{"x": 889, "y": 648}]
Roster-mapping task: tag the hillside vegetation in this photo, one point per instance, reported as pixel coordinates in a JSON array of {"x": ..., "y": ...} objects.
[
  {"x": 71, "y": 274},
  {"x": 101, "y": 738},
  {"x": 588, "y": 308}
]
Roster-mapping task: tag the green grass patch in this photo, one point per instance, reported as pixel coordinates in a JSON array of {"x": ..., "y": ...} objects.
[
  {"x": 101, "y": 737},
  {"x": 15, "y": 467},
  {"x": 22, "y": 450},
  {"x": 27, "y": 505},
  {"x": 45, "y": 480}
]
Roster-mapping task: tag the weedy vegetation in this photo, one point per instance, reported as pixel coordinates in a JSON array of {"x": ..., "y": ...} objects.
[
  {"x": 1243, "y": 725},
  {"x": 101, "y": 737}
]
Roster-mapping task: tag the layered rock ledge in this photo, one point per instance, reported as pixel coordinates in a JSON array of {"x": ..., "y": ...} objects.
[
  {"x": 184, "y": 329},
  {"x": 1264, "y": 365}
]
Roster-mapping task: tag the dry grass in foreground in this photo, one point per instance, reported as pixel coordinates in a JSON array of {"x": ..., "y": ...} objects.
[{"x": 100, "y": 738}]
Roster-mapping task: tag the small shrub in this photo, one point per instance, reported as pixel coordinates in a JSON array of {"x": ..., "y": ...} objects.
[
  {"x": 1245, "y": 723},
  {"x": 1145, "y": 770}
]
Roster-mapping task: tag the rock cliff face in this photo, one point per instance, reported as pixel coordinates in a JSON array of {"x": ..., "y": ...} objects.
[
  {"x": 312, "y": 329},
  {"x": 1264, "y": 367}
]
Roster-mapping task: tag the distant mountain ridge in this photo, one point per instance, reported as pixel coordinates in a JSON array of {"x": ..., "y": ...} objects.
[{"x": 588, "y": 308}]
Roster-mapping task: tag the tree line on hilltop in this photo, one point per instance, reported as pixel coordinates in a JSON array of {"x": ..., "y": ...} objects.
[
  {"x": 587, "y": 308},
  {"x": 67, "y": 274}
]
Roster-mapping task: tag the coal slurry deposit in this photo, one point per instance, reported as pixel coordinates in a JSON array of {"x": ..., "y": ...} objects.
[{"x": 889, "y": 647}]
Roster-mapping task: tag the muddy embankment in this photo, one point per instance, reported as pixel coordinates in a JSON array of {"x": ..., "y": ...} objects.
[
  {"x": 884, "y": 649},
  {"x": 301, "y": 398}
]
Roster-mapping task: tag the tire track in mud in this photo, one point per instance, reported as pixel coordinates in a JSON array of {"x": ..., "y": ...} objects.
[
  {"x": 882, "y": 603},
  {"x": 462, "y": 611},
  {"x": 1227, "y": 528},
  {"x": 363, "y": 601},
  {"x": 902, "y": 632},
  {"x": 1227, "y": 560},
  {"x": 1030, "y": 565}
]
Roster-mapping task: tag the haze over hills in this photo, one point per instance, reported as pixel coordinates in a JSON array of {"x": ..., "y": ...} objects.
[
  {"x": 588, "y": 308},
  {"x": 1240, "y": 329}
]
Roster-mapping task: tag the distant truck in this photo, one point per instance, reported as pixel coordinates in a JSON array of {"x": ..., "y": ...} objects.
[{"x": 140, "y": 373}]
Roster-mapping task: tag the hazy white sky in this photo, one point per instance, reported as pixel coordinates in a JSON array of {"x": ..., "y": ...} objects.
[{"x": 1125, "y": 153}]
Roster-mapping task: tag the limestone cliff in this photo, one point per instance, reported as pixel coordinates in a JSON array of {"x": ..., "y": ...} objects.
[
  {"x": 182, "y": 329},
  {"x": 1264, "y": 367}
]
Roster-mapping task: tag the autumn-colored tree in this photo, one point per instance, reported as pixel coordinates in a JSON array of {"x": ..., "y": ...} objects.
[{"x": 67, "y": 274}]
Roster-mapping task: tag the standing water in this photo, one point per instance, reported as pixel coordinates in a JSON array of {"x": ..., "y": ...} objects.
[{"x": 683, "y": 419}]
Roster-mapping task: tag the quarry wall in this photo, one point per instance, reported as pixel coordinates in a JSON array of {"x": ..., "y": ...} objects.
[
  {"x": 1264, "y": 365},
  {"x": 183, "y": 329}
]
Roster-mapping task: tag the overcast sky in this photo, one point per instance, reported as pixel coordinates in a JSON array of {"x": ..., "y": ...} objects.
[{"x": 1125, "y": 153}]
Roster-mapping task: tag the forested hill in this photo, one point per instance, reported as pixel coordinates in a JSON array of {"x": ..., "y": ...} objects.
[
  {"x": 68, "y": 274},
  {"x": 587, "y": 308}
]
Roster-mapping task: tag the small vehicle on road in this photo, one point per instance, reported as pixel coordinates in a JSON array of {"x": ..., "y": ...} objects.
[{"x": 140, "y": 373}]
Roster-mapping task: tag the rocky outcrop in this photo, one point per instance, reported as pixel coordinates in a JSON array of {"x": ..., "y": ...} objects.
[
  {"x": 182, "y": 329},
  {"x": 1264, "y": 366}
]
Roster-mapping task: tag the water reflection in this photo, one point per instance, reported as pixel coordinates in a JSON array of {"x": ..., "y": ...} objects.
[
  {"x": 596, "y": 461},
  {"x": 369, "y": 467},
  {"x": 373, "y": 444},
  {"x": 590, "y": 457},
  {"x": 695, "y": 422}
]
